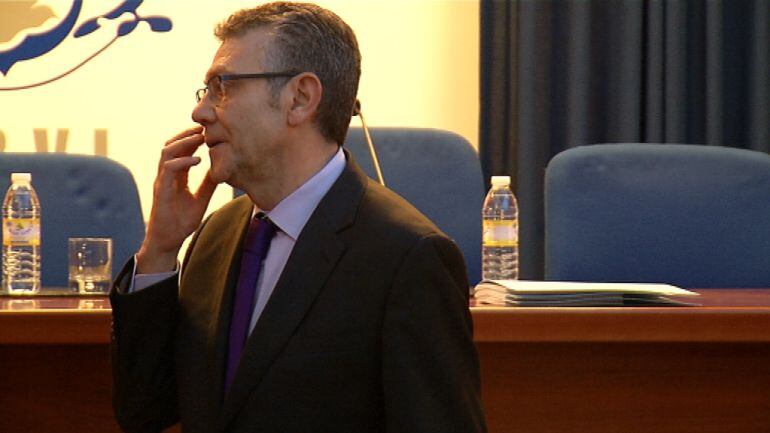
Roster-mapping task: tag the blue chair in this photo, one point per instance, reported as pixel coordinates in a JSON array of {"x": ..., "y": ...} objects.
[
  {"x": 689, "y": 215},
  {"x": 438, "y": 172},
  {"x": 80, "y": 196}
]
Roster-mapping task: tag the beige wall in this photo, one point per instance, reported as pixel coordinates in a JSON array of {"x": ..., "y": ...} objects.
[{"x": 420, "y": 68}]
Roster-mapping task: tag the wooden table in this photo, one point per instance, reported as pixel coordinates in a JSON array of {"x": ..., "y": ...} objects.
[{"x": 668, "y": 369}]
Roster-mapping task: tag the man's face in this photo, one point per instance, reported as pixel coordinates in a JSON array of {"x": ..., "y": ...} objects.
[{"x": 241, "y": 128}]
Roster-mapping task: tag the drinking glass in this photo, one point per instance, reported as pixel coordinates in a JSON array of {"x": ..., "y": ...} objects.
[{"x": 90, "y": 265}]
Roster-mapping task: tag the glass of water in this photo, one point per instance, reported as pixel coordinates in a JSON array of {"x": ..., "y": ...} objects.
[{"x": 90, "y": 265}]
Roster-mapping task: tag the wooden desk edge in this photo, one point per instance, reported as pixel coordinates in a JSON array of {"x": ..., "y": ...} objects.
[
  {"x": 622, "y": 325},
  {"x": 55, "y": 327},
  {"x": 491, "y": 325}
]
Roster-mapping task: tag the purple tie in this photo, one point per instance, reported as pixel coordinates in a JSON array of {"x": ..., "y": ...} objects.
[{"x": 255, "y": 246}]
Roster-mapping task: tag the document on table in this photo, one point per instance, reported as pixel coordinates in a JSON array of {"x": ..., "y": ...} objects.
[{"x": 578, "y": 294}]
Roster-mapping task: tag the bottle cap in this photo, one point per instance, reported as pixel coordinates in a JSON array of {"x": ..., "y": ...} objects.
[
  {"x": 501, "y": 180},
  {"x": 21, "y": 177}
]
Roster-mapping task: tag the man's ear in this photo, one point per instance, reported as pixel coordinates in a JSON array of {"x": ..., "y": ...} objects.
[{"x": 306, "y": 92}]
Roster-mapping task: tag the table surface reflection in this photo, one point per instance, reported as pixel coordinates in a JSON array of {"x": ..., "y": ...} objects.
[
  {"x": 79, "y": 305},
  {"x": 55, "y": 316}
]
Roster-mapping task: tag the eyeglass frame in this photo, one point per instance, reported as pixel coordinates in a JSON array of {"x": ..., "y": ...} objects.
[{"x": 201, "y": 93}]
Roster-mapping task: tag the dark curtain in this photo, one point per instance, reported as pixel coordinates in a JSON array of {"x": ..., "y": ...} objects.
[{"x": 557, "y": 74}]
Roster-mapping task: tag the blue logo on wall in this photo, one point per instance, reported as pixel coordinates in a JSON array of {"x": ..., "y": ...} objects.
[{"x": 25, "y": 14}]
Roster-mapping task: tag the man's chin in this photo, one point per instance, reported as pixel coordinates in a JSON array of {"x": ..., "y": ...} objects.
[{"x": 218, "y": 176}]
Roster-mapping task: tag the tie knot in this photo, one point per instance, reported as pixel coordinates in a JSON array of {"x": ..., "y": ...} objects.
[{"x": 261, "y": 231}]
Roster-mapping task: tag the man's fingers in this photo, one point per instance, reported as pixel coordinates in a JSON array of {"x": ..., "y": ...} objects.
[
  {"x": 180, "y": 148},
  {"x": 206, "y": 189},
  {"x": 177, "y": 169},
  {"x": 187, "y": 132}
]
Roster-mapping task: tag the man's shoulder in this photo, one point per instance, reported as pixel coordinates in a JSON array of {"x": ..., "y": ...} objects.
[
  {"x": 359, "y": 203},
  {"x": 388, "y": 229},
  {"x": 385, "y": 210}
]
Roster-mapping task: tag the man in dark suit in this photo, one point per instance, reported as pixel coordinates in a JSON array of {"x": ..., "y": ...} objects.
[{"x": 319, "y": 301}]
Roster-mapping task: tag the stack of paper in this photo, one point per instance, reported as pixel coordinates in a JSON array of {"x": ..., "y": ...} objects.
[{"x": 575, "y": 294}]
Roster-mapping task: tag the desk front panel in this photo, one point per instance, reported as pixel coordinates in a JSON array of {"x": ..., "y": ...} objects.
[{"x": 626, "y": 387}]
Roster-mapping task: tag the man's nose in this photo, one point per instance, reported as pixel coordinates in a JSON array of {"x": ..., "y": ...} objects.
[{"x": 204, "y": 113}]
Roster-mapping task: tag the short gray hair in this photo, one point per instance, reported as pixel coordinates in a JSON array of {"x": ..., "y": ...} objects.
[{"x": 308, "y": 38}]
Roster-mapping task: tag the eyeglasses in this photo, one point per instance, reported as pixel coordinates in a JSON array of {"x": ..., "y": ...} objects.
[{"x": 216, "y": 88}]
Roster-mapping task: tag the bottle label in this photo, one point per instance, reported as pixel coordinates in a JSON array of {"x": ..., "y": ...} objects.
[
  {"x": 24, "y": 231},
  {"x": 501, "y": 233}
]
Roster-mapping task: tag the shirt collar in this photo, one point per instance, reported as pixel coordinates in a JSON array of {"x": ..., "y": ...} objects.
[{"x": 291, "y": 213}]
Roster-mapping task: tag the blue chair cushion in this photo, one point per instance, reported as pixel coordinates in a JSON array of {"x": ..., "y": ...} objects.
[{"x": 694, "y": 216}]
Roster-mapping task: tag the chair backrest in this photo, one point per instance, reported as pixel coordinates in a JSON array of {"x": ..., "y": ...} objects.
[
  {"x": 437, "y": 171},
  {"x": 80, "y": 196},
  {"x": 689, "y": 215}
]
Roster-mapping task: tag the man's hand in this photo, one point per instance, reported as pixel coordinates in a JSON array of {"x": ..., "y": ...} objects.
[{"x": 176, "y": 211}]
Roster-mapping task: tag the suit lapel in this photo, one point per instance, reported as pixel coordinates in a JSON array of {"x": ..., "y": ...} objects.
[{"x": 312, "y": 260}]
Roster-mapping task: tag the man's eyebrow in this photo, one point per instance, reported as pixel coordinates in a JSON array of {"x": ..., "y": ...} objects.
[{"x": 214, "y": 72}]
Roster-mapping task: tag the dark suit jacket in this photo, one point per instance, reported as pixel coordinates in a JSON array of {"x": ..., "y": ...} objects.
[{"x": 368, "y": 329}]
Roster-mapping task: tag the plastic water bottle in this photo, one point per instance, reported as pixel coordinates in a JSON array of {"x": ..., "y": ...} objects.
[
  {"x": 500, "y": 249},
  {"x": 21, "y": 237}
]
